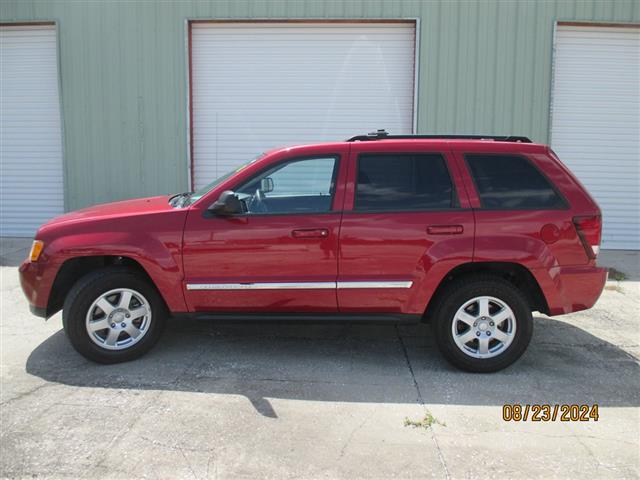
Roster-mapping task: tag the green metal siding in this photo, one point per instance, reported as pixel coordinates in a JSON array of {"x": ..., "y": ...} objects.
[{"x": 485, "y": 67}]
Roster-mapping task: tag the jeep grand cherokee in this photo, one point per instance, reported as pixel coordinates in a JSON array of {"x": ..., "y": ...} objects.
[{"x": 470, "y": 233}]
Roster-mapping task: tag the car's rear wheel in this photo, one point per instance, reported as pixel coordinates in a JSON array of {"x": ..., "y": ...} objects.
[
  {"x": 113, "y": 315},
  {"x": 482, "y": 323}
]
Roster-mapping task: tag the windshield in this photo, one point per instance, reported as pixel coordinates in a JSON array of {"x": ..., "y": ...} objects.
[{"x": 201, "y": 192}]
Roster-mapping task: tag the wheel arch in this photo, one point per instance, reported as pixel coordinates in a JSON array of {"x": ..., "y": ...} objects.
[
  {"x": 75, "y": 268},
  {"x": 515, "y": 273}
]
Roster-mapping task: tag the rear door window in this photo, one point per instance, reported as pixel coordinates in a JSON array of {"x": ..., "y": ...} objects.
[
  {"x": 511, "y": 182},
  {"x": 403, "y": 182}
]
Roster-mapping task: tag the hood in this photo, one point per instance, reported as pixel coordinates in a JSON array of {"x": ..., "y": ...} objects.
[{"x": 114, "y": 210}]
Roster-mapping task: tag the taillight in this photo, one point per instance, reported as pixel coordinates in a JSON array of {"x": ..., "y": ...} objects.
[{"x": 590, "y": 231}]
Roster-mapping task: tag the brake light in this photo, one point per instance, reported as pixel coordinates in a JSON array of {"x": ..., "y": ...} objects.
[{"x": 590, "y": 232}]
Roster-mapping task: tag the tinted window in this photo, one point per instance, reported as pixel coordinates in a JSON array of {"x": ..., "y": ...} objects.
[
  {"x": 511, "y": 182},
  {"x": 403, "y": 182},
  {"x": 296, "y": 186}
]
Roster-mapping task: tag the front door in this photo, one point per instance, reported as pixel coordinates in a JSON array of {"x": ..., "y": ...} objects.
[{"x": 281, "y": 256}]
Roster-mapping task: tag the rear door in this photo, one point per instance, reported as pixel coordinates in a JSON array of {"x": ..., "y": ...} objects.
[{"x": 406, "y": 224}]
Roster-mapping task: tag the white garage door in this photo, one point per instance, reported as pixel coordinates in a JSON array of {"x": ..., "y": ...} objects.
[
  {"x": 31, "y": 184},
  {"x": 596, "y": 122},
  {"x": 263, "y": 85}
]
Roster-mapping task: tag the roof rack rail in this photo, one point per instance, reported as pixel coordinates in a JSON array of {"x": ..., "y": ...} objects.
[{"x": 384, "y": 135}]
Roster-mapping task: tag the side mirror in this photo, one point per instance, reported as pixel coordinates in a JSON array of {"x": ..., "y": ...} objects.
[
  {"x": 228, "y": 204},
  {"x": 266, "y": 185}
]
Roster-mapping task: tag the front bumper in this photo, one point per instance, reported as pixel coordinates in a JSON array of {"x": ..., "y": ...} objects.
[
  {"x": 571, "y": 289},
  {"x": 36, "y": 280},
  {"x": 38, "y": 311}
]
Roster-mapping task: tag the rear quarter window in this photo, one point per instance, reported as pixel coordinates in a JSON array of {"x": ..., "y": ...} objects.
[{"x": 511, "y": 182}]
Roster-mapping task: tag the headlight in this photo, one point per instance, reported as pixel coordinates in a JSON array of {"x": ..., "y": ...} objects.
[{"x": 36, "y": 250}]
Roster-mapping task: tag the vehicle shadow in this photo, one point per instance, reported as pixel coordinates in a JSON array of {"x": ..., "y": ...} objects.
[{"x": 352, "y": 363}]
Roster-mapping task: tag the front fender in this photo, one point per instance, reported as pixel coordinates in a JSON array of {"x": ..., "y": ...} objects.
[{"x": 152, "y": 240}]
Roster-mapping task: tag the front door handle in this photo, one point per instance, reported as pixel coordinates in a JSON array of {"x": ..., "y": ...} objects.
[
  {"x": 445, "y": 229},
  {"x": 311, "y": 233}
]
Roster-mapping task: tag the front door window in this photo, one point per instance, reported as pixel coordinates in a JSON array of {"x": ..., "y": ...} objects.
[{"x": 296, "y": 186}]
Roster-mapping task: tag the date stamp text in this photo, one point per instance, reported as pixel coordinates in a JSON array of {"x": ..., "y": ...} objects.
[{"x": 516, "y": 412}]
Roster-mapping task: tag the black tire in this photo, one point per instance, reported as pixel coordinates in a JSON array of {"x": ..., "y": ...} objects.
[
  {"x": 87, "y": 290},
  {"x": 462, "y": 291}
]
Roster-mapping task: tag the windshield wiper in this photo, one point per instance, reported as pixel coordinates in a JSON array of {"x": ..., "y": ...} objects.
[
  {"x": 179, "y": 199},
  {"x": 186, "y": 197}
]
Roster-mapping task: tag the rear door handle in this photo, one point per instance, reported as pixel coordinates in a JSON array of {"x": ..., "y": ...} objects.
[
  {"x": 311, "y": 233},
  {"x": 445, "y": 229}
]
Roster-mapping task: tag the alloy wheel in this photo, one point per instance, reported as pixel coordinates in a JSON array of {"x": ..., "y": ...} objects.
[
  {"x": 118, "y": 319},
  {"x": 483, "y": 327}
]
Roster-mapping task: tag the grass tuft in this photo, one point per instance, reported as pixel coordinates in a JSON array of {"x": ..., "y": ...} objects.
[
  {"x": 616, "y": 275},
  {"x": 425, "y": 422}
]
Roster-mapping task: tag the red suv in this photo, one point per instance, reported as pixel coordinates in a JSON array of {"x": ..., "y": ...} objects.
[{"x": 471, "y": 234}]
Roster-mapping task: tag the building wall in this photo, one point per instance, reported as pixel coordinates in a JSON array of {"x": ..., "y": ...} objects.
[{"x": 485, "y": 67}]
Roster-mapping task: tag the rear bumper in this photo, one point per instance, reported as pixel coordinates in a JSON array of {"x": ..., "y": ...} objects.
[{"x": 571, "y": 289}]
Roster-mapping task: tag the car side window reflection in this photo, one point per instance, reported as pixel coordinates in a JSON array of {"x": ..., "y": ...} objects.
[
  {"x": 296, "y": 186},
  {"x": 403, "y": 182}
]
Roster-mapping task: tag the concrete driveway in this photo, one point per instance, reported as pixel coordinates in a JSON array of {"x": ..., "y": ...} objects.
[{"x": 318, "y": 401}]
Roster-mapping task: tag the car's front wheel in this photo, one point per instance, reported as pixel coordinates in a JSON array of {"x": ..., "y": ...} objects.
[
  {"x": 113, "y": 315},
  {"x": 482, "y": 323}
]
